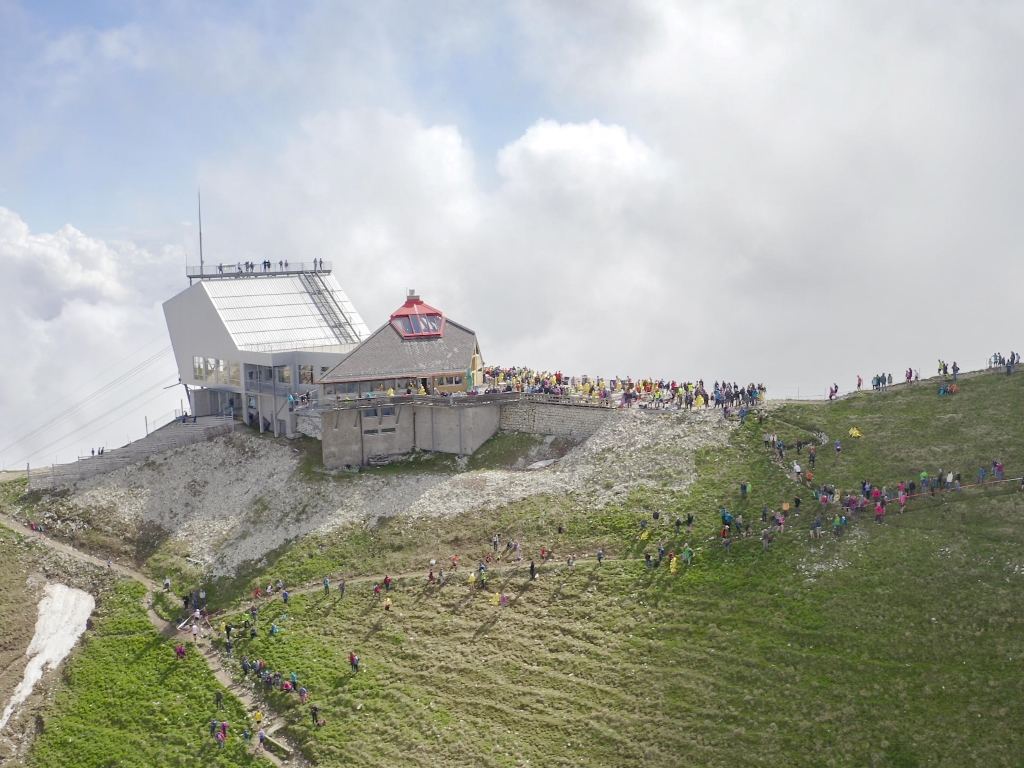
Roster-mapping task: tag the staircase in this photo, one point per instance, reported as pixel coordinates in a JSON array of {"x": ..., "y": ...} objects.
[
  {"x": 332, "y": 312},
  {"x": 174, "y": 435}
]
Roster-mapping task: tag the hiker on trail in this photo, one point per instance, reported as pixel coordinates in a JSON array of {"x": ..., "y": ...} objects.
[
  {"x": 224, "y": 728},
  {"x": 109, "y": 564},
  {"x": 679, "y": 524},
  {"x": 228, "y": 647},
  {"x": 727, "y": 543},
  {"x": 387, "y": 583},
  {"x": 533, "y": 568},
  {"x": 285, "y": 596},
  {"x": 376, "y": 590},
  {"x": 440, "y": 577},
  {"x": 353, "y": 661},
  {"x": 687, "y": 554},
  {"x": 261, "y": 737},
  {"x": 167, "y": 583},
  {"x": 455, "y": 562},
  {"x": 981, "y": 475},
  {"x": 743, "y": 489},
  {"x": 600, "y": 556},
  {"x": 689, "y": 521},
  {"x": 494, "y": 541},
  {"x": 303, "y": 695},
  {"x": 839, "y": 448},
  {"x": 341, "y": 589},
  {"x": 314, "y": 711},
  {"x": 570, "y": 562},
  {"x": 327, "y": 585},
  {"x": 766, "y": 540},
  {"x": 430, "y": 576},
  {"x": 647, "y": 557},
  {"x": 180, "y": 651},
  {"x": 387, "y": 604},
  {"x": 219, "y": 697},
  {"x": 213, "y": 727},
  {"x": 812, "y": 455},
  {"x": 879, "y": 513},
  {"x": 195, "y": 633}
]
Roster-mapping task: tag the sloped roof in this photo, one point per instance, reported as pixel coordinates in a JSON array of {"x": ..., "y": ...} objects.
[
  {"x": 386, "y": 355},
  {"x": 278, "y": 313}
]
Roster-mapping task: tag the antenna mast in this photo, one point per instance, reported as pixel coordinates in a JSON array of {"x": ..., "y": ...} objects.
[{"x": 199, "y": 196}]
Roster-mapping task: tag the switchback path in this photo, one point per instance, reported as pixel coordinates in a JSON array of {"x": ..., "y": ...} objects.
[{"x": 165, "y": 628}]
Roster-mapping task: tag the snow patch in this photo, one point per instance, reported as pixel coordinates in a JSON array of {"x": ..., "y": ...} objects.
[{"x": 63, "y": 613}]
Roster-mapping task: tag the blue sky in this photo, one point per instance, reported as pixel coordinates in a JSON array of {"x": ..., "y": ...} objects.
[
  {"x": 114, "y": 140},
  {"x": 776, "y": 192}
]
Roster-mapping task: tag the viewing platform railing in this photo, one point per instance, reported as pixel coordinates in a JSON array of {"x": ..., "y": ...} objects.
[
  {"x": 236, "y": 269},
  {"x": 351, "y": 402}
]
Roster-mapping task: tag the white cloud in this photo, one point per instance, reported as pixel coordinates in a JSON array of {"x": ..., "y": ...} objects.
[{"x": 72, "y": 307}]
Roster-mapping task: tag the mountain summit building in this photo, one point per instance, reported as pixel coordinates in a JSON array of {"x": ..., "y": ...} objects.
[{"x": 251, "y": 342}]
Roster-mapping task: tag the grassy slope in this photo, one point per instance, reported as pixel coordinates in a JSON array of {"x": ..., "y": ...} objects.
[
  {"x": 814, "y": 654},
  {"x": 823, "y": 654},
  {"x": 126, "y": 700}
]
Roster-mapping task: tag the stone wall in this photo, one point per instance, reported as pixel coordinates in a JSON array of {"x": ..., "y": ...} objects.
[{"x": 558, "y": 420}]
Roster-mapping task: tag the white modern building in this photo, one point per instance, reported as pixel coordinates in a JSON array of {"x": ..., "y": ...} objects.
[{"x": 252, "y": 342}]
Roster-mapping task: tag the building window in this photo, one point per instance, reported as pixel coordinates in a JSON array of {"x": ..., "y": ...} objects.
[
  {"x": 235, "y": 371},
  {"x": 284, "y": 374},
  {"x": 387, "y": 429},
  {"x": 222, "y": 371},
  {"x": 211, "y": 369},
  {"x": 387, "y": 410},
  {"x": 369, "y": 431},
  {"x": 370, "y": 413},
  {"x": 198, "y": 369},
  {"x": 324, "y": 369},
  {"x": 305, "y": 374}
]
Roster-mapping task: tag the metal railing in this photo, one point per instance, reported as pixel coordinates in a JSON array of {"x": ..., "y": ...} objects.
[
  {"x": 238, "y": 269},
  {"x": 349, "y": 402}
]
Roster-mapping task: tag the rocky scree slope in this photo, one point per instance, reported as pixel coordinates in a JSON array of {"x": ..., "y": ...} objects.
[{"x": 231, "y": 500}]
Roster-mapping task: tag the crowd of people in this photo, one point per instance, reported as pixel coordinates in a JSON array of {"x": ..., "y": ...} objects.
[{"x": 644, "y": 393}]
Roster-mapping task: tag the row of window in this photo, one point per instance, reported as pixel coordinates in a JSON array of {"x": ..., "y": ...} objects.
[
  {"x": 399, "y": 386},
  {"x": 216, "y": 371},
  {"x": 384, "y": 431}
]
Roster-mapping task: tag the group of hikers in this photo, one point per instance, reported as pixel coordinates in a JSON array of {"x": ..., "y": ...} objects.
[
  {"x": 1008, "y": 363},
  {"x": 645, "y": 393}
]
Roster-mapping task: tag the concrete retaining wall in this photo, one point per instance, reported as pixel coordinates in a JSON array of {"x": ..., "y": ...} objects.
[
  {"x": 558, "y": 420},
  {"x": 352, "y": 437}
]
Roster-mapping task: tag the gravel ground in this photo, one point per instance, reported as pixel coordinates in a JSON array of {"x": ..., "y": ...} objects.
[{"x": 235, "y": 498}]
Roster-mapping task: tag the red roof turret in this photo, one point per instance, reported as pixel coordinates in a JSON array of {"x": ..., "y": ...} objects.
[{"x": 416, "y": 320}]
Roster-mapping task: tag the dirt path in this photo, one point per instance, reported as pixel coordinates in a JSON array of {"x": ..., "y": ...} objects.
[{"x": 165, "y": 628}]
